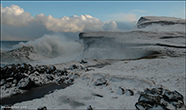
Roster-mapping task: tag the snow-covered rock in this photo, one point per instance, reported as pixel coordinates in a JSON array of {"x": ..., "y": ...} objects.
[{"x": 151, "y": 20}]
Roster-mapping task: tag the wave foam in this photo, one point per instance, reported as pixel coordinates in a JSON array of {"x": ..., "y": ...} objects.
[{"x": 47, "y": 47}]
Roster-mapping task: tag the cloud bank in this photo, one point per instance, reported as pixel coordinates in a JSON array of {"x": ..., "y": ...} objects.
[{"x": 18, "y": 24}]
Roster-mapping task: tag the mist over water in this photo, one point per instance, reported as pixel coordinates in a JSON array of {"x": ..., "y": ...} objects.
[
  {"x": 48, "y": 49},
  {"x": 54, "y": 49}
]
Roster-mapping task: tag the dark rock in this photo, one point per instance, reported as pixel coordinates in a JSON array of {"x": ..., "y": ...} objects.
[
  {"x": 10, "y": 79},
  {"x": 61, "y": 80},
  {"x": 42, "y": 108},
  {"x": 25, "y": 83},
  {"x": 153, "y": 91},
  {"x": 41, "y": 68},
  {"x": 18, "y": 75},
  {"x": 159, "y": 98},
  {"x": 8, "y": 84},
  {"x": 98, "y": 95},
  {"x": 83, "y": 62},
  {"x": 3, "y": 81},
  {"x": 129, "y": 92},
  {"x": 50, "y": 70},
  {"x": 143, "y": 106},
  {"x": 89, "y": 107},
  {"x": 172, "y": 96},
  {"x": 178, "y": 104},
  {"x": 49, "y": 77},
  {"x": 7, "y": 107},
  {"x": 73, "y": 67},
  {"x": 100, "y": 82},
  {"x": 70, "y": 80},
  {"x": 61, "y": 72},
  {"x": 150, "y": 99}
]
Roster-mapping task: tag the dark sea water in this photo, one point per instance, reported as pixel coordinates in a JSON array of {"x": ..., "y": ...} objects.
[{"x": 9, "y": 45}]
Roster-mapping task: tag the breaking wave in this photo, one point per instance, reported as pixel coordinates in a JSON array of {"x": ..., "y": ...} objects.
[{"x": 44, "y": 50}]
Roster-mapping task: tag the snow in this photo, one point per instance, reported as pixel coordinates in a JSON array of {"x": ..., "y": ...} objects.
[
  {"x": 130, "y": 74},
  {"x": 162, "y": 18},
  {"x": 116, "y": 75}
]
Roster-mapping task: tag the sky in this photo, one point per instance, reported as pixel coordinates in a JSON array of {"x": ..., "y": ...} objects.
[{"x": 27, "y": 20}]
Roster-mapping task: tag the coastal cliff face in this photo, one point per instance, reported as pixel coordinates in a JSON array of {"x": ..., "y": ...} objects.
[
  {"x": 150, "y": 33},
  {"x": 162, "y": 21}
]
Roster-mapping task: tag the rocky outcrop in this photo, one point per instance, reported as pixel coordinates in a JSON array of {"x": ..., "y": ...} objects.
[
  {"x": 159, "y": 98},
  {"x": 151, "y": 20},
  {"x": 17, "y": 78}
]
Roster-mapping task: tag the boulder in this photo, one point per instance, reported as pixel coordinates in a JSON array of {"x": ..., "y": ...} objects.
[
  {"x": 172, "y": 96},
  {"x": 100, "y": 82},
  {"x": 157, "y": 98},
  {"x": 154, "y": 91},
  {"x": 50, "y": 77},
  {"x": 25, "y": 83},
  {"x": 42, "y": 108},
  {"x": 143, "y": 106},
  {"x": 89, "y": 107},
  {"x": 83, "y": 62}
]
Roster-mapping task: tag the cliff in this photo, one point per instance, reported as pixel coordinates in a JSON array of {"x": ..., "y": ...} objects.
[{"x": 162, "y": 21}]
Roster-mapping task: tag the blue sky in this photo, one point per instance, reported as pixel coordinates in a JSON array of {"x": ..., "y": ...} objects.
[
  {"x": 103, "y": 9},
  {"x": 28, "y": 20}
]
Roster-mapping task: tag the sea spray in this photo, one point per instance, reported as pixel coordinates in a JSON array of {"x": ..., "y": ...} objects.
[
  {"x": 53, "y": 46},
  {"x": 47, "y": 49}
]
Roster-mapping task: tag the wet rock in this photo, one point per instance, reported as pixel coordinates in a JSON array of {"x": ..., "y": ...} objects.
[
  {"x": 50, "y": 77},
  {"x": 14, "y": 81},
  {"x": 172, "y": 96},
  {"x": 61, "y": 80},
  {"x": 8, "y": 84},
  {"x": 10, "y": 79},
  {"x": 18, "y": 75},
  {"x": 50, "y": 70},
  {"x": 73, "y": 67},
  {"x": 61, "y": 72},
  {"x": 41, "y": 68},
  {"x": 42, "y": 108},
  {"x": 143, "y": 106},
  {"x": 2, "y": 82},
  {"x": 154, "y": 91},
  {"x": 70, "y": 80},
  {"x": 149, "y": 99},
  {"x": 159, "y": 98},
  {"x": 25, "y": 83},
  {"x": 178, "y": 104},
  {"x": 100, "y": 82},
  {"x": 7, "y": 107}
]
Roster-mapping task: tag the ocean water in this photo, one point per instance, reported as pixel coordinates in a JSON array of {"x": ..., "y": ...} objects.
[{"x": 9, "y": 45}]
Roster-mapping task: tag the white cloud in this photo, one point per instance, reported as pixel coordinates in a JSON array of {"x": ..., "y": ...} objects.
[
  {"x": 110, "y": 26},
  {"x": 15, "y": 16},
  {"x": 70, "y": 24},
  {"x": 17, "y": 22}
]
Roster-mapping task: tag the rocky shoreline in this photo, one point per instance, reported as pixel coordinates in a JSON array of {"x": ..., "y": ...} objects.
[{"x": 19, "y": 78}]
